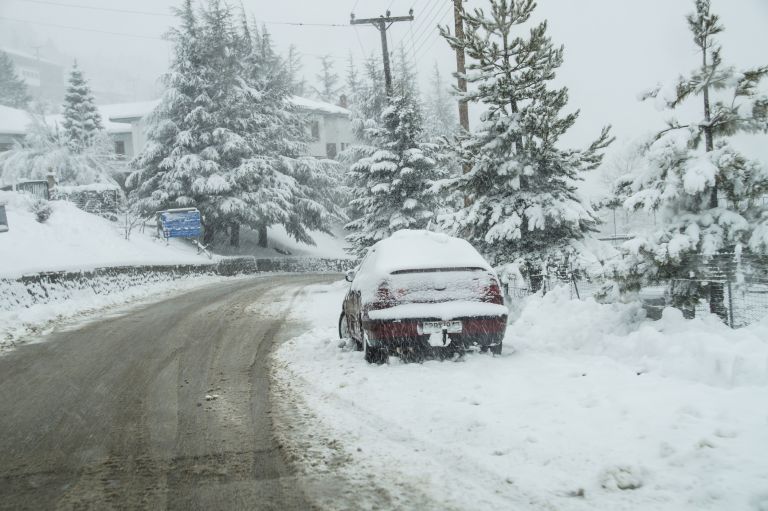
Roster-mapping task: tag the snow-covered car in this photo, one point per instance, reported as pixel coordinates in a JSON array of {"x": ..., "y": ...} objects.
[{"x": 420, "y": 292}]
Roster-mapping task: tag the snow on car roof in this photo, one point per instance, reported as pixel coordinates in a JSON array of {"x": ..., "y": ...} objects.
[{"x": 419, "y": 250}]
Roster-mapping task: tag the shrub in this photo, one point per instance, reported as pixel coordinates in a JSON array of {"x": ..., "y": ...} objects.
[{"x": 42, "y": 210}]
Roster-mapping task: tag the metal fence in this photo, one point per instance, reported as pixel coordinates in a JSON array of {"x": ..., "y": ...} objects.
[{"x": 742, "y": 280}]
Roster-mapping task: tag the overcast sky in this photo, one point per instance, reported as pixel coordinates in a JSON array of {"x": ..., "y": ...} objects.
[{"x": 613, "y": 48}]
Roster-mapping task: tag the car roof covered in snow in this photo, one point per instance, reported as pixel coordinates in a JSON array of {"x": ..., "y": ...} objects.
[{"x": 422, "y": 250}]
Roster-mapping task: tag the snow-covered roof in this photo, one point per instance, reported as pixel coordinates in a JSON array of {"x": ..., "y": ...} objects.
[
  {"x": 13, "y": 121},
  {"x": 29, "y": 57},
  {"x": 126, "y": 112},
  {"x": 417, "y": 250},
  {"x": 313, "y": 105},
  {"x": 110, "y": 126}
]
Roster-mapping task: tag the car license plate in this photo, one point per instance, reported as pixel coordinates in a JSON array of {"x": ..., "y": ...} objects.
[{"x": 436, "y": 327}]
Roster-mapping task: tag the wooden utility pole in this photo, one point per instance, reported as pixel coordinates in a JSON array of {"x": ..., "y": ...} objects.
[
  {"x": 460, "y": 69},
  {"x": 383, "y": 23}
]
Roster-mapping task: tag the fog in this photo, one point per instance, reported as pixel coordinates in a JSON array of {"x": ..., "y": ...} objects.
[{"x": 613, "y": 48}]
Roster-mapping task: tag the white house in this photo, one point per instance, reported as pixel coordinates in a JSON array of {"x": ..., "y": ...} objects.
[
  {"x": 330, "y": 128},
  {"x": 13, "y": 126}
]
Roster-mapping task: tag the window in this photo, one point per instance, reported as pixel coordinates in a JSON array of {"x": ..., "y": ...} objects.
[
  {"x": 120, "y": 147},
  {"x": 315, "y": 128},
  {"x": 330, "y": 150},
  {"x": 344, "y": 146}
]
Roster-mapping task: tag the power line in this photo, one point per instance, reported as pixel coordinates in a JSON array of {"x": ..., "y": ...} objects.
[
  {"x": 95, "y": 8},
  {"x": 428, "y": 10},
  {"x": 429, "y": 29},
  {"x": 169, "y": 15},
  {"x": 124, "y": 34},
  {"x": 437, "y": 38}
]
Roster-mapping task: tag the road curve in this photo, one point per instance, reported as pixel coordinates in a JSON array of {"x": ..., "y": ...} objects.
[{"x": 113, "y": 414}]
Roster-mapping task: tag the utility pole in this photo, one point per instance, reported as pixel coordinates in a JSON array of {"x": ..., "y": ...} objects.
[
  {"x": 460, "y": 69},
  {"x": 383, "y": 23}
]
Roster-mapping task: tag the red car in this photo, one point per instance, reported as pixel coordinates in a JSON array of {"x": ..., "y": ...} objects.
[{"x": 420, "y": 292}]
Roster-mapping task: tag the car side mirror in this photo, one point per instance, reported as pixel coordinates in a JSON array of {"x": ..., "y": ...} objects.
[{"x": 350, "y": 275}]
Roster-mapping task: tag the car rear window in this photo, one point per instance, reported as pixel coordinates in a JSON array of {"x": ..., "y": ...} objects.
[{"x": 439, "y": 284}]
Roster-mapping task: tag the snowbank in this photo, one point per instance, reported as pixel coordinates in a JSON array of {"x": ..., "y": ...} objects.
[
  {"x": 704, "y": 350},
  {"x": 68, "y": 300},
  {"x": 72, "y": 239},
  {"x": 597, "y": 409}
]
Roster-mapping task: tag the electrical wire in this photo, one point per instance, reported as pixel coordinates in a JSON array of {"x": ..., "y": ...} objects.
[
  {"x": 151, "y": 13},
  {"x": 429, "y": 9},
  {"x": 429, "y": 29},
  {"x": 437, "y": 38},
  {"x": 124, "y": 34}
]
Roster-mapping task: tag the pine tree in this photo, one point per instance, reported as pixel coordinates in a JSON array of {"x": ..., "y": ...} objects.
[
  {"x": 328, "y": 90},
  {"x": 706, "y": 195},
  {"x": 225, "y": 138},
  {"x": 13, "y": 90},
  {"x": 82, "y": 120},
  {"x": 440, "y": 116},
  {"x": 521, "y": 196},
  {"x": 394, "y": 178},
  {"x": 299, "y": 84}
]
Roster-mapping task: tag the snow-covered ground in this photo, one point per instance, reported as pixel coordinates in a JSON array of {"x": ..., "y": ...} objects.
[
  {"x": 20, "y": 324},
  {"x": 327, "y": 245},
  {"x": 596, "y": 408},
  {"x": 72, "y": 239}
]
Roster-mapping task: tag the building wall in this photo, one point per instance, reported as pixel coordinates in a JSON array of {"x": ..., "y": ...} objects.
[
  {"x": 45, "y": 80},
  {"x": 127, "y": 142},
  {"x": 333, "y": 129}
]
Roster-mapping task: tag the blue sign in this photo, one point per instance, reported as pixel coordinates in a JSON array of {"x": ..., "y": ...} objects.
[{"x": 180, "y": 223}]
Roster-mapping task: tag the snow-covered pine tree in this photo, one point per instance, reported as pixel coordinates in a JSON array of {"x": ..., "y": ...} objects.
[
  {"x": 293, "y": 62},
  {"x": 352, "y": 80},
  {"x": 82, "y": 120},
  {"x": 395, "y": 174},
  {"x": 282, "y": 138},
  {"x": 440, "y": 115},
  {"x": 201, "y": 133},
  {"x": 521, "y": 204},
  {"x": 328, "y": 89},
  {"x": 13, "y": 90},
  {"x": 225, "y": 138},
  {"x": 707, "y": 197}
]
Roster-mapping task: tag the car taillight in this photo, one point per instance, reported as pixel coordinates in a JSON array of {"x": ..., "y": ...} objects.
[
  {"x": 493, "y": 293},
  {"x": 384, "y": 298}
]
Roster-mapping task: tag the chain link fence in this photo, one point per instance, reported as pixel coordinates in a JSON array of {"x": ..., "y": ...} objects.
[{"x": 736, "y": 283}]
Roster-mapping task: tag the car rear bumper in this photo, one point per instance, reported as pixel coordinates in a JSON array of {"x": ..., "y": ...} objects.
[{"x": 488, "y": 327}]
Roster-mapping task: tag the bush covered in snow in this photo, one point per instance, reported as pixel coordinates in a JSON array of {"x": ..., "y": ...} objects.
[{"x": 41, "y": 209}]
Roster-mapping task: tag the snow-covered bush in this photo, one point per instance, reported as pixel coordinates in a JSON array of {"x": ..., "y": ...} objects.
[
  {"x": 41, "y": 208},
  {"x": 46, "y": 150}
]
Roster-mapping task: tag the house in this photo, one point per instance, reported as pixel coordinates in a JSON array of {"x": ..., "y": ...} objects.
[
  {"x": 44, "y": 79},
  {"x": 329, "y": 127},
  {"x": 13, "y": 126}
]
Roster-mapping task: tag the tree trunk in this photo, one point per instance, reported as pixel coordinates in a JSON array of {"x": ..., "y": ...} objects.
[
  {"x": 263, "y": 236},
  {"x": 234, "y": 235},
  {"x": 208, "y": 235},
  {"x": 716, "y": 289}
]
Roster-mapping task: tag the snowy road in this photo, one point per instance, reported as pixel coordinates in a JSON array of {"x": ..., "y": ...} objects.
[{"x": 165, "y": 407}]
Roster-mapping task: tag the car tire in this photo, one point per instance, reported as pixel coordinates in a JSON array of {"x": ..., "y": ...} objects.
[
  {"x": 496, "y": 350},
  {"x": 343, "y": 327},
  {"x": 374, "y": 354}
]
